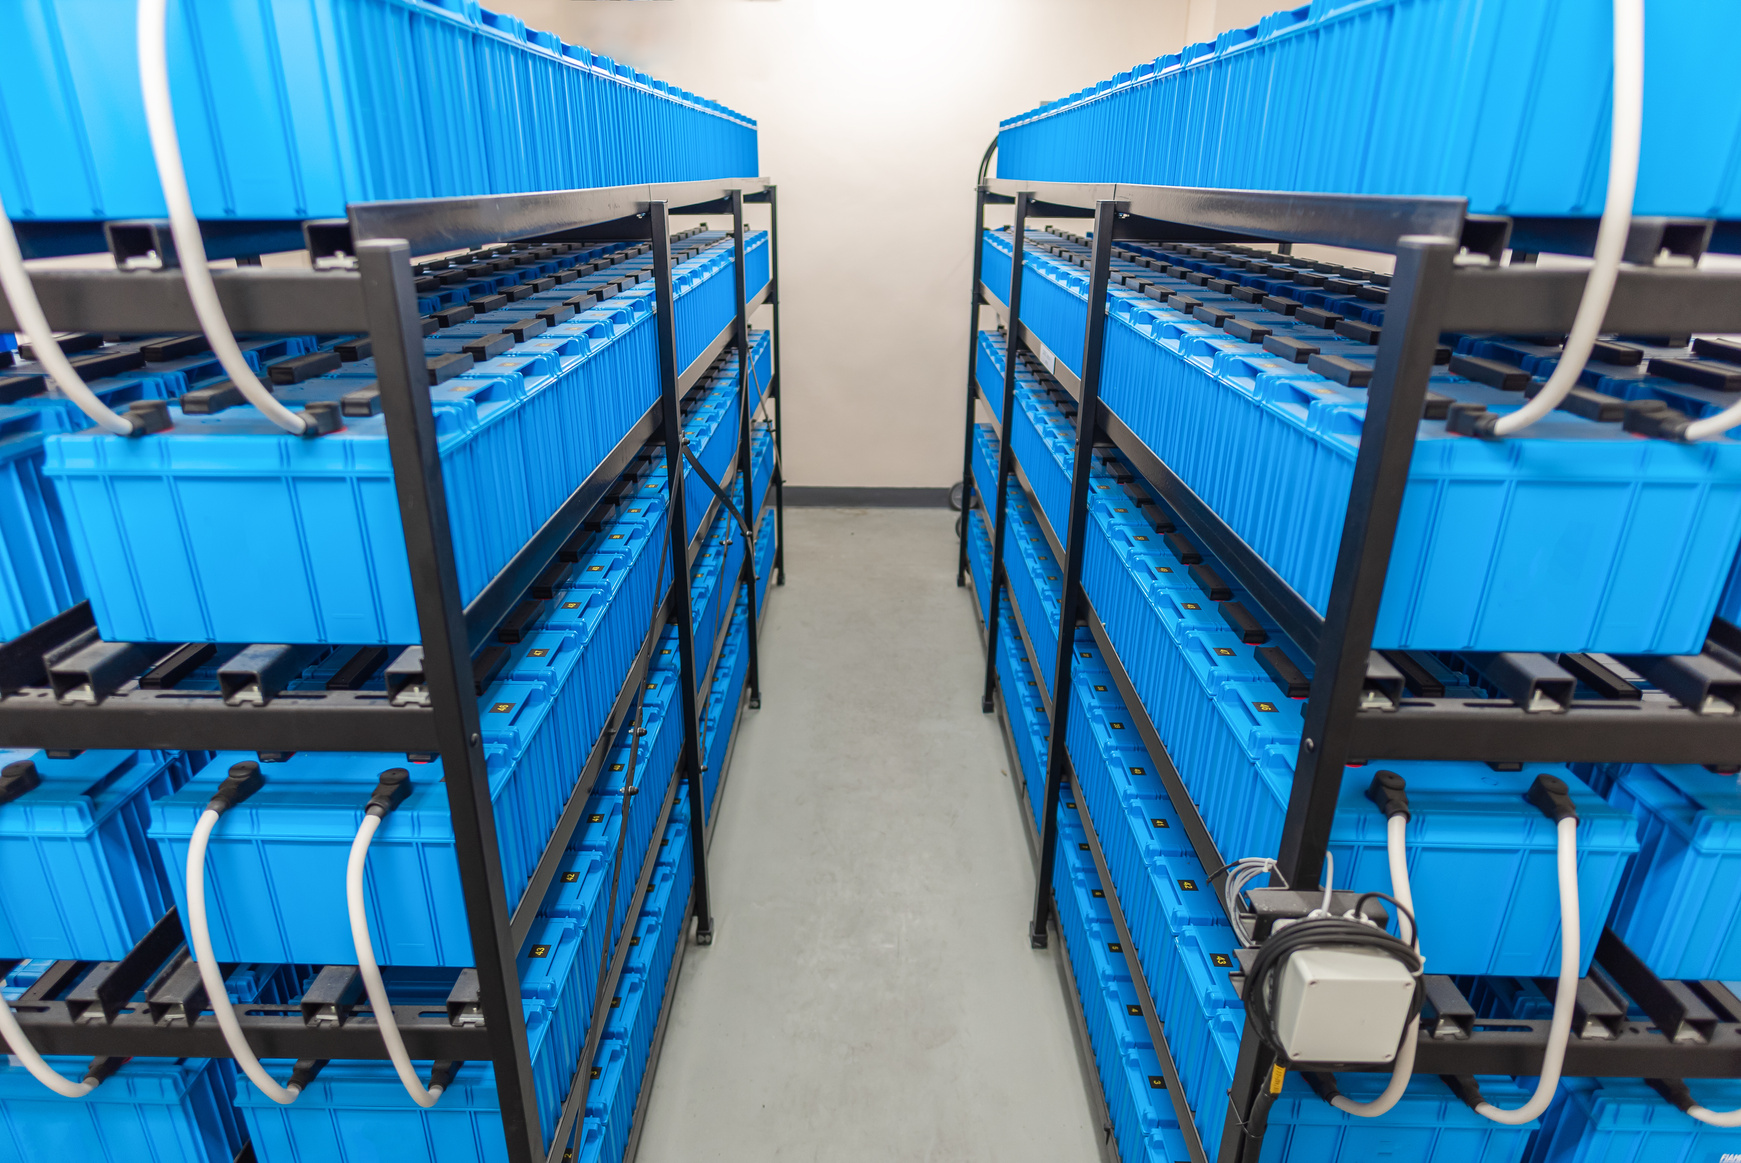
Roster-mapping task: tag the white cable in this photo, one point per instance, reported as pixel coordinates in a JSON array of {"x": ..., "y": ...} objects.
[
  {"x": 27, "y": 312},
  {"x": 1626, "y": 131},
  {"x": 213, "y": 978},
  {"x": 1713, "y": 1118},
  {"x": 189, "y": 245},
  {"x": 1396, "y": 848},
  {"x": 1565, "y": 993},
  {"x": 366, "y": 965},
  {"x": 1396, "y": 836},
  {"x": 39, "y": 1070}
]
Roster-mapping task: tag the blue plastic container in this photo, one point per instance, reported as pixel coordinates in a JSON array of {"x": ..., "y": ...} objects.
[
  {"x": 1270, "y": 107},
  {"x": 285, "y": 113},
  {"x": 275, "y": 867},
  {"x": 1233, "y": 735},
  {"x": 82, "y": 879},
  {"x": 1672, "y": 908},
  {"x": 1621, "y": 1120},
  {"x": 1632, "y": 538},
  {"x": 224, "y": 528}
]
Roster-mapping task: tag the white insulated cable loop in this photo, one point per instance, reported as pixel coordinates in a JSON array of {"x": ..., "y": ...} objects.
[
  {"x": 1565, "y": 993},
  {"x": 371, "y": 971},
  {"x": 39, "y": 1070},
  {"x": 189, "y": 244},
  {"x": 212, "y": 977},
  {"x": 1627, "y": 131},
  {"x": 1402, "y": 1071},
  {"x": 27, "y": 311}
]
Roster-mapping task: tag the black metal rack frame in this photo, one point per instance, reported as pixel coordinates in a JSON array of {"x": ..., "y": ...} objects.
[
  {"x": 1692, "y": 1031},
  {"x": 374, "y": 295}
]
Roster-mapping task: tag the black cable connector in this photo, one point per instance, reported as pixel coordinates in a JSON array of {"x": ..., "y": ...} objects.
[
  {"x": 1552, "y": 798},
  {"x": 101, "y": 1069},
  {"x": 244, "y": 780},
  {"x": 18, "y": 778},
  {"x": 1464, "y": 1087},
  {"x": 1674, "y": 1090},
  {"x": 442, "y": 1073},
  {"x": 391, "y": 790},
  {"x": 304, "y": 1073},
  {"x": 1390, "y": 792}
]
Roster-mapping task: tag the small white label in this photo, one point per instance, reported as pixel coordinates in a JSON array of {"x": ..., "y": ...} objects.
[{"x": 1047, "y": 359}]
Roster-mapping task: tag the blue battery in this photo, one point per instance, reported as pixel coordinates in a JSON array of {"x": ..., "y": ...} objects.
[
  {"x": 83, "y": 881},
  {"x": 306, "y": 127},
  {"x": 172, "y": 1110},
  {"x": 1268, "y": 107},
  {"x": 1641, "y": 532},
  {"x": 223, "y": 528},
  {"x": 1622, "y": 1120},
  {"x": 1689, "y": 860}
]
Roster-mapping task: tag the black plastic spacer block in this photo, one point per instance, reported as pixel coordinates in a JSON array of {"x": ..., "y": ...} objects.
[
  {"x": 145, "y": 416},
  {"x": 1471, "y": 420},
  {"x": 16, "y": 779},
  {"x": 322, "y": 417}
]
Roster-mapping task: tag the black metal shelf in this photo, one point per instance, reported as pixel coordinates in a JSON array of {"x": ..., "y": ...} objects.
[
  {"x": 484, "y": 1019},
  {"x": 1127, "y": 947},
  {"x": 430, "y": 225},
  {"x": 1355, "y": 712},
  {"x": 508, "y": 588}
]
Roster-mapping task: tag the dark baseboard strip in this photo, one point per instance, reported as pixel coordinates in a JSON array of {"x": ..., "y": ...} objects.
[{"x": 846, "y": 497}]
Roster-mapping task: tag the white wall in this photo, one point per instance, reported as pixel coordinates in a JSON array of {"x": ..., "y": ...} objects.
[{"x": 873, "y": 117}]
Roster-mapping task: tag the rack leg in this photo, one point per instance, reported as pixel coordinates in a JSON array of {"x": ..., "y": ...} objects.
[
  {"x": 775, "y": 390},
  {"x": 1006, "y": 457},
  {"x": 677, "y": 525},
  {"x": 746, "y": 460},
  {"x": 972, "y": 382},
  {"x": 1087, "y": 426},
  {"x": 385, "y": 267}
]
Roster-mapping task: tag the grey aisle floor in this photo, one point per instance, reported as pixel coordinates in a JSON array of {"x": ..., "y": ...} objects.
[{"x": 870, "y": 992}]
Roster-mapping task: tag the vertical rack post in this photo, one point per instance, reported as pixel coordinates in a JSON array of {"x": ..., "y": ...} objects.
[
  {"x": 774, "y": 390},
  {"x": 972, "y": 363},
  {"x": 1418, "y": 295},
  {"x": 1006, "y": 457},
  {"x": 677, "y": 526},
  {"x": 746, "y": 460},
  {"x": 385, "y": 267},
  {"x": 1087, "y": 428}
]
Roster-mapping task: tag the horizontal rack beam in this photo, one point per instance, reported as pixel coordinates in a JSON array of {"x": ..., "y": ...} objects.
[
  {"x": 1360, "y": 221},
  {"x": 432, "y": 225},
  {"x": 273, "y": 1031},
  {"x": 1655, "y": 729},
  {"x": 1528, "y": 300},
  {"x": 254, "y": 299},
  {"x": 1511, "y": 1047},
  {"x": 313, "y": 721}
]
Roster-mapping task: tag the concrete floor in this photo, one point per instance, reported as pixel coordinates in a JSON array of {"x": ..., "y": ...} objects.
[{"x": 870, "y": 993}]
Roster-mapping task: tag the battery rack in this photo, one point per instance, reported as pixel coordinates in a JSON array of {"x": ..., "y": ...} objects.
[
  {"x": 362, "y": 282},
  {"x": 1448, "y": 277}
]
